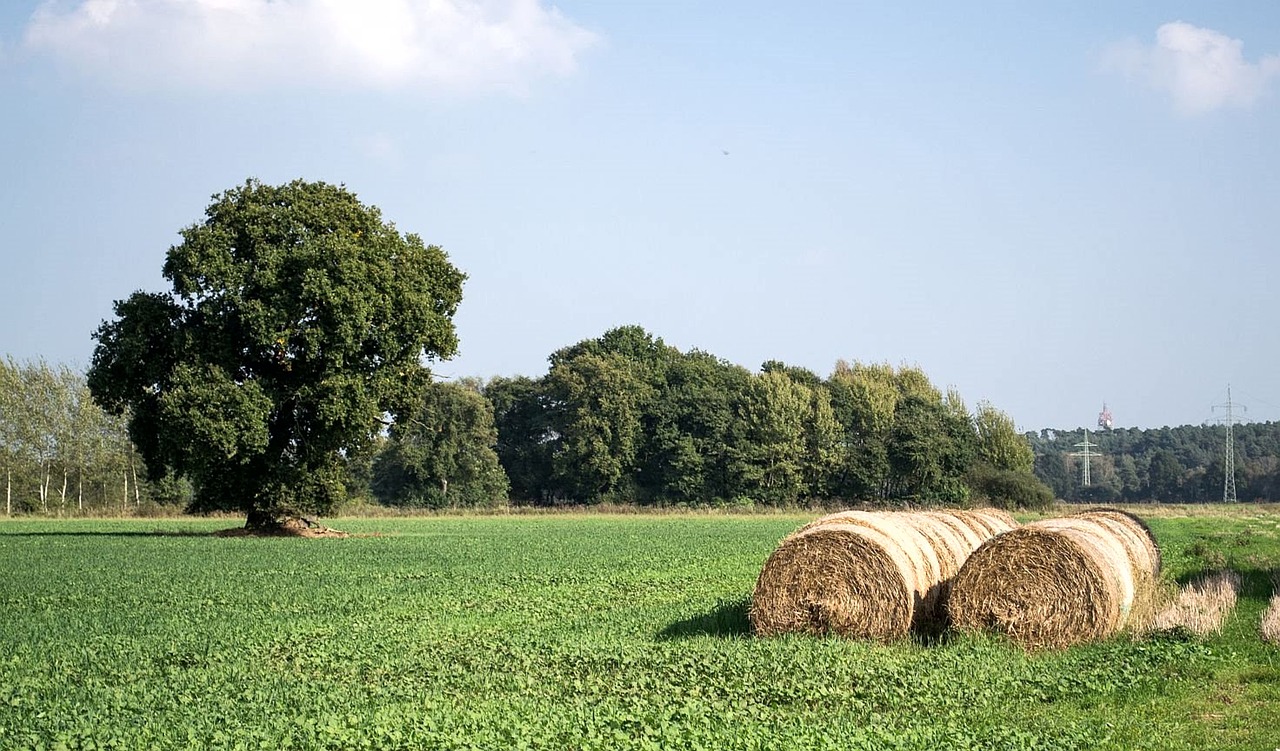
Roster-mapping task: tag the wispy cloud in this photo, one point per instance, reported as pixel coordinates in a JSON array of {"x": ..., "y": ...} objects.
[
  {"x": 1203, "y": 69},
  {"x": 438, "y": 45}
]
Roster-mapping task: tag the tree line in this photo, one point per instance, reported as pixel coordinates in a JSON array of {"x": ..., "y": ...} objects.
[
  {"x": 623, "y": 418},
  {"x": 626, "y": 418},
  {"x": 1185, "y": 464},
  {"x": 60, "y": 452}
]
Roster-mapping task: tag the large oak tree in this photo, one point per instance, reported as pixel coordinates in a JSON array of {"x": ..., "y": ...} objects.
[{"x": 298, "y": 319}]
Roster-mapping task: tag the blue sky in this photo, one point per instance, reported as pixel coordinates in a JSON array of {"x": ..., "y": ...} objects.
[{"x": 1045, "y": 205}]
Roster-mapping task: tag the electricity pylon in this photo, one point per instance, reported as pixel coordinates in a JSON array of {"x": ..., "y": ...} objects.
[
  {"x": 1229, "y": 457},
  {"x": 1085, "y": 453}
]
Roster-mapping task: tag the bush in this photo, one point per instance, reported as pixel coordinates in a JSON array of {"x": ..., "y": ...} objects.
[{"x": 1007, "y": 489}]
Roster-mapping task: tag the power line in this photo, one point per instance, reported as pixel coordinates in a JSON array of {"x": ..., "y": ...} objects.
[{"x": 1255, "y": 398}]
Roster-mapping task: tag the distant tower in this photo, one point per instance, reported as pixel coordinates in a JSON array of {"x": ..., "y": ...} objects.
[
  {"x": 1229, "y": 457},
  {"x": 1085, "y": 453},
  {"x": 1104, "y": 418}
]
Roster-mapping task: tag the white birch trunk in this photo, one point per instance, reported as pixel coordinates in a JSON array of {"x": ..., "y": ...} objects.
[{"x": 44, "y": 489}]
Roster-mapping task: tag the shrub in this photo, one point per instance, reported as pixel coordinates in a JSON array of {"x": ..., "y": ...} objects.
[{"x": 1007, "y": 489}]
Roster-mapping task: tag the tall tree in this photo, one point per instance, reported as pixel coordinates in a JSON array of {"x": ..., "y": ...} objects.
[
  {"x": 596, "y": 403},
  {"x": 442, "y": 454},
  {"x": 38, "y": 413},
  {"x": 689, "y": 429},
  {"x": 821, "y": 443},
  {"x": 767, "y": 448},
  {"x": 864, "y": 398},
  {"x": 10, "y": 445},
  {"x": 928, "y": 451},
  {"x": 525, "y": 435},
  {"x": 998, "y": 441},
  {"x": 297, "y": 319}
]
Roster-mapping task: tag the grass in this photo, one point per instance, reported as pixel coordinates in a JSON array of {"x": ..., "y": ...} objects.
[{"x": 566, "y": 631}]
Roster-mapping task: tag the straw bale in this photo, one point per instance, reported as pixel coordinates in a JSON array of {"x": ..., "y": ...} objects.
[
  {"x": 1135, "y": 521},
  {"x": 1144, "y": 559},
  {"x": 992, "y": 520},
  {"x": 864, "y": 574},
  {"x": 1057, "y": 582}
]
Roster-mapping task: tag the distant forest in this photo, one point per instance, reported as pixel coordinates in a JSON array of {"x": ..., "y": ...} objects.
[{"x": 1165, "y": 465}]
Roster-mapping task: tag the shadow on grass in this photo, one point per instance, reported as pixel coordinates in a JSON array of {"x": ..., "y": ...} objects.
[
  {"x": 1255, "y": 582},
  {"x": 109, "y": 533},
  {"x": 728, "y": 619}
]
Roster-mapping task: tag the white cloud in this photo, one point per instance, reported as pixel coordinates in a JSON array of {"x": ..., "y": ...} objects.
[
  {"x": 1202, "y": 69},
  {"x": 446, "y": 45}
]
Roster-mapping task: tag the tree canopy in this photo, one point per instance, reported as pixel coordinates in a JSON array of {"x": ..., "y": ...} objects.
[
  {"x": 298, "y": 318},
  {"x": 441, "y": 453},
  {"x": 627, "y": 418}
]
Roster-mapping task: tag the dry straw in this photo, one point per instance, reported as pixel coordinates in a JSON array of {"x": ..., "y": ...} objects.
[
  {"x": 1270, "y": 626},
  {"x": 865, "y": 574},
  {"x": 1058, "y": 582},
  {"x": 1202, "y": 605}
]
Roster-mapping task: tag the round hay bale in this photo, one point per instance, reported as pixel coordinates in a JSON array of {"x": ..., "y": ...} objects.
[
  {"x": 1133, "y": 520},
  {"x": 1144, "y": 559},
  {"x": 995, "y": 519},
  {"x": 1058, "y": 582},
  {"x": 862, "y": 574}
]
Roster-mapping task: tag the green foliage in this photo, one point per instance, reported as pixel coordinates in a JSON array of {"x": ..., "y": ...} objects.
[
  {"x": 1164, "y": 475},
  {"x": 998, "y": 442},
  {"x": 1007, "y": 489},
  {"x": 442, "y": 453},
  {"x": 688, "y": 429},
  {"x": 930, "y": 450},
  {"x": 596, "y": 405},
  {"x": 60, "y": 453},
  {"x": 297, "y": 319},
  {"x": 783, "y": 443},
  {"x": 528, "y": 632},
  {"x": 524, "y": 434},
  {"x": 625, "y": 417}
]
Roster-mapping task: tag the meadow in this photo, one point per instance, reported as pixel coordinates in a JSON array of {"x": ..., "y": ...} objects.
[{"x": 567, "y": 631}]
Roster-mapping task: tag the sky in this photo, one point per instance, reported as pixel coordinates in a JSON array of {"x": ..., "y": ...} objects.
[{"x": 1046, "y": 206}]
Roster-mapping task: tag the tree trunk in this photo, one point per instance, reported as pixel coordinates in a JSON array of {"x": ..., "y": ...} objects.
[
  {"x": 62, "y": 498},
  {"x": 80, "y": 491},
  {"x": 258, "y": 519},
  {"x": 137, "y": 496},
  {"x": 44, "y": 488},
  {"x": 8, "y": 491},
  {"x": 124, "y": 505}
]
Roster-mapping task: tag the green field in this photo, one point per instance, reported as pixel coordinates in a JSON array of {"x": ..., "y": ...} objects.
[{"x": 593, "y": 632}]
